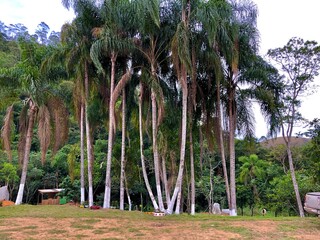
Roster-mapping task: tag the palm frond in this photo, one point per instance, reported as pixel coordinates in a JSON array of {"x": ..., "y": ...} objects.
[
  {"x": 245, "y": 117},
  {"x": 180, "y": 48},
  {"x": 44, "y": 131},
  {"x": 6, "y": 132},
  {"x": 78, "y": 97},
  {"x": 59, "y": 116},
  {"x": 23, "y": 127},
  {"x": 95, "y": 53}
]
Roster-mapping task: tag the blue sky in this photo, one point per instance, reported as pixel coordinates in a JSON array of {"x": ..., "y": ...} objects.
[{"x": 278, "y": 21}]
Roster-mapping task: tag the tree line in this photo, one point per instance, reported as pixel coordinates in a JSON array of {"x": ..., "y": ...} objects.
[{"x": 146, "y": 98}]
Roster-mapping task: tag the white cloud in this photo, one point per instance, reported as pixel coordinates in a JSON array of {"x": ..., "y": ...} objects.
[{"x": 32, "y": 12}]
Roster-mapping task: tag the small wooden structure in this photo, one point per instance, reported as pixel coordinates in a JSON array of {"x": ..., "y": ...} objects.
[{"x": 49, "y": 196}]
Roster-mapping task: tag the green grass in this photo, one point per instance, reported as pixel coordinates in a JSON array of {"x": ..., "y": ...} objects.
[
  {"x": 57, "y": 231},
  {"x": 66, "y": 211},
  {"x": 81, "y": 226},
  {"x": 32, "y": 233},
  {"x": 4, "y": 236},
  {"x": 133, "y": 230},
  {"x": 81, "y": 236},
  {"x": 32, "y": 227},
  {"x": 244, "y": 232},
  {"x": 287, "y": 227},
  {"x": 100, "y": 231}
]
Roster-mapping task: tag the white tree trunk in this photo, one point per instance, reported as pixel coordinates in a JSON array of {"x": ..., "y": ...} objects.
[
  {"x": 165, "y": 180},
  {"x": 155, "y": 151},
  {"x": 178, "y": 185},
  {"x": 144, "y": 172},
  {"x": 107, "y": 193},
  {"x": 193, "y": 189},
  {"x": 123, "y": 150},
  {"x": 232, "y": 123},
  {"x": 89, "y": 142},
  {"x": 127, "y": 190},
  {"x": 178, "y": 204},
  {"x": 32, "y": 112},
  {"x": 82, "y": 188},
  {"x": 221, "y": 145},
  {"x": 210, "y": 201},
  {"x": 89, "y": 156}
]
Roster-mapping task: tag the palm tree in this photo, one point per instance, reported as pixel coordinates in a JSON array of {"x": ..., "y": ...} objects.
[
  {"x": 182, "y": 63},
  {"x": 242, "y": 33},
  {"x": 251, "y": 170},
  {"x": 40, "y": 104},
  {"x": 144, "y": 171},
  {"x": 78, "y": 39},
  {"x": 123, "y": 150},
  {"x": 214, "y": 16},
  {"x": 82, "y": 181},
  {"x": 252, "y": 167},
  {"x": 112, "y": 39},
  {"x": 151, "y": 50}
]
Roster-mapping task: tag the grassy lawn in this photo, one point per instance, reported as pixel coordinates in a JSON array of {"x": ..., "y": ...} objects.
[{"x": 71, "y": 222}]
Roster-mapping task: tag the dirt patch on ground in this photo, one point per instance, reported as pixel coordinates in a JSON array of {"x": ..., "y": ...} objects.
[
  {"x": 69, "y": 228},
  {"x": 103, "y": 228}
]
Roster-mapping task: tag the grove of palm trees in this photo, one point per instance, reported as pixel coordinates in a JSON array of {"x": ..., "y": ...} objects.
[{"x": 148, "y": 105}]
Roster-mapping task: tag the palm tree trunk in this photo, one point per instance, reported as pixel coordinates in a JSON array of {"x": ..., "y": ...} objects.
[
  {"x": 155, "y": 151},
  {"x": 82, "y": 188},
  {"x": 89, "y": 142},
  {"x": 107, "y": 193},
  {"x": 193, "y": 189},
  {"x": 221, "y": 144},
  {"x": 211, "y": 188},
  {"x": 232, "y": 122},
  {"x": 127, "y": 191},
  {"x": 294, "y": 180},
  {"x": 184, "y": 86},
  {"x": 123, "y": 150},
  {"x": 165, "y": 180},
  {"x": 178, "y": 185},
  {"x": 201, "y": 148},
  {"x": 32, "y": 112},
  {"x": 178, "y": 204},
  {"x": 144, "y": 172}
]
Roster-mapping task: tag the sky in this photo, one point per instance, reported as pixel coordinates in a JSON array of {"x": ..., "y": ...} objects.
[
  {"x": 32, "y": 12},
  {"x": 278, "y": 21}
]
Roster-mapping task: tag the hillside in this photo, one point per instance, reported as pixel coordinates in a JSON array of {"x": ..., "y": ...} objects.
[{"x": 295, "y": 142}]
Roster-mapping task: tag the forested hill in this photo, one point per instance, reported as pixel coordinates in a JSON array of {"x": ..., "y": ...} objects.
[
  {"x": 42, "y": 33},
  {"x": 295, "y": 142}
]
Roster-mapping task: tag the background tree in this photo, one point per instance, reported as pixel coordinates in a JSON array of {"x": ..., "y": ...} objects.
[
  {"x": 252, "y": 170},
  {"x": 299, "y": 62},
  {"x": 8, "y": 175}
]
